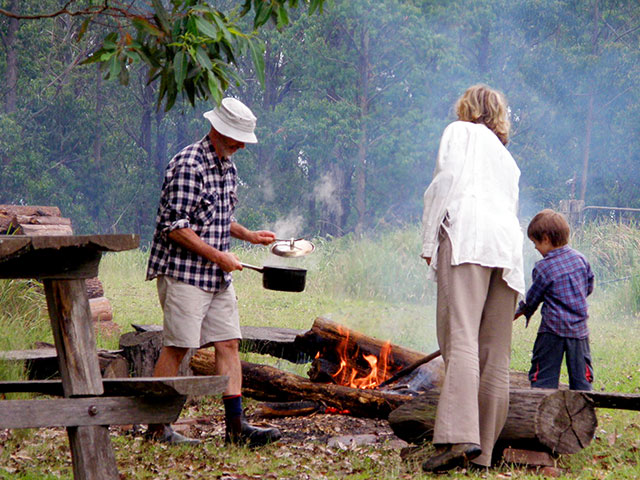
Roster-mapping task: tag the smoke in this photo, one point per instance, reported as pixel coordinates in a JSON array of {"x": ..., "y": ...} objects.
[
  {"x": 325, "y": 194},
  {"x": 289, "y": 227}
]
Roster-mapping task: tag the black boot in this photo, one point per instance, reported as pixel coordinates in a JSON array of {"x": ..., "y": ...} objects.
[{"x": 240, "y": 432}]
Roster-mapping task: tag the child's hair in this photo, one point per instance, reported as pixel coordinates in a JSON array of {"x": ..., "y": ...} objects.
[
  {"x": 482, "y": 104},
  {"x": 552, "y": 224}
]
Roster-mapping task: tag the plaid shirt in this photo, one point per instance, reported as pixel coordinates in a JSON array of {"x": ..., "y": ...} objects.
[
  {"x": 199, "y": 192},
  {"x": 562, "y": 280}
]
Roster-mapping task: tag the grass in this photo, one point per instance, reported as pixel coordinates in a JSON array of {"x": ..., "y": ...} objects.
[{"x": 377, "y": 286}]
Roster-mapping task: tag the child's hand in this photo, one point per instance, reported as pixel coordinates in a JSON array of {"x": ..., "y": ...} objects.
[{"x": 517, "y": 316}]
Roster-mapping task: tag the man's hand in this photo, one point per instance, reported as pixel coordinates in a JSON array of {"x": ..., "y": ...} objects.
[
  {"x": 229, "y": 261},
  {"x": 262, "y": 237}
]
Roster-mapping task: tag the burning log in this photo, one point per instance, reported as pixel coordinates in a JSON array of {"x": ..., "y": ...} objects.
[
  {"x": 266, "y": 383},
  {"x": 347, "y": 357},
  {"x": 562, "y": 421}
]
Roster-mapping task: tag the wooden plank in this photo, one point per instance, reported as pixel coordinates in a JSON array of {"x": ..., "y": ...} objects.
[
  {"x": 31, "y": 210},
  {"x": 74, "y": 338},
  {"x": 150, "y": 386},
  {"x": 67, "y": 263},
  {"x": 92, "y": 411},
  {"x": 58, "y": 256},
  {"x": 42, "y": 220}
]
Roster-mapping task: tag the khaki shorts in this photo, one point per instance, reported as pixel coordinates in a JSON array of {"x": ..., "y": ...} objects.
[{"x": 194, "y": 318}]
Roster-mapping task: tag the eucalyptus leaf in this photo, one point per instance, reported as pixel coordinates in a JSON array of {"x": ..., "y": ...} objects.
[{"x": 180, "y": 62}]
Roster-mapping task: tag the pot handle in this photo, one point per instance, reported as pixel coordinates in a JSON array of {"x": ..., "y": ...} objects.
[{"x": 252, "y": 267}]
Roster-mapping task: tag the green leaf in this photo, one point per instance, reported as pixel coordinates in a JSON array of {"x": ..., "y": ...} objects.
[
  {"x": 262, "y": 14},
  {"x": 145, "y": 25},
  {"x": 206, "y": 28},
  {"x": 283, "y": 18},
  {"x": 223, "y": 28},
  {"x": 162, "y": 15},
  {"x": 257, "y": 54},
  {"x": 189, "y": 87},
  {"x": 82, "y": 30},
  {"x": 214, "y": 87},
  {"x": 110, "y": 41},
  {"x": 315, "y": 5},
  {"x": 203, "y": 58},
  {"x": 114, "y": 67},
  {"x": 98, "y": 56},
  {"x": 180, "y": 62}
]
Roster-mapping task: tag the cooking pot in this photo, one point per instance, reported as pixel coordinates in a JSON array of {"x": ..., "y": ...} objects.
[{"x": 284, "y": 279}]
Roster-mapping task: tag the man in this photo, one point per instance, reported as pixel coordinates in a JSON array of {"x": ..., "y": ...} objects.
[{"x": 191, "y": 260}]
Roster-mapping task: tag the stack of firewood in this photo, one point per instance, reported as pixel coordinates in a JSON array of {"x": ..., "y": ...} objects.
[{"x": 46, "y": 220}]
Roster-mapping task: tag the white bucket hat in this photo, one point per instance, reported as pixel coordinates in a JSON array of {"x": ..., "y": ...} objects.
[{"x": 233, "y": 119}]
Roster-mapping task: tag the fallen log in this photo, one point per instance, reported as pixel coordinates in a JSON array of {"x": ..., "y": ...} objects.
[
  {"x": 266, "y": 383},
  {"x": 277, "y": 342},
  {"x": 562, "y": 421},
  {"x": 326, "y": 337}
]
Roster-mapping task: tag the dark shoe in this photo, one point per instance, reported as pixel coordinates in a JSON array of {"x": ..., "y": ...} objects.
[
  {"x": 240, "y": 432},
  {"x": 168, "y": 435},
  {"x": 452, "y": 456}
]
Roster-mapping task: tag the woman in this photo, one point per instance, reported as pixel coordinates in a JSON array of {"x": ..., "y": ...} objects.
[{"x": 472, "y": 242}]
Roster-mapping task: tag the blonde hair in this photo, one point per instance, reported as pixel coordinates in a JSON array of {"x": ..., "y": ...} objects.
[
  {"x": 482, "y": 104},
  {"x": 551, "y": 224}
]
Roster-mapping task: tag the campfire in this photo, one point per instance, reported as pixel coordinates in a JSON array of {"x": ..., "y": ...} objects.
[{"x": 350, "y": 375}]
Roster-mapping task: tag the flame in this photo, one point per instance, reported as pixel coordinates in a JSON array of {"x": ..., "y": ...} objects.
[{"x": 348, "y": 376}]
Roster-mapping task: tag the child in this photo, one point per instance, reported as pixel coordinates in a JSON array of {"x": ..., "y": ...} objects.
[{"x": 562, "y": 280}]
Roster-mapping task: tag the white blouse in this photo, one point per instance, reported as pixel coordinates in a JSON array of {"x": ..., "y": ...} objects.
[{"x": 475, "y": 184}]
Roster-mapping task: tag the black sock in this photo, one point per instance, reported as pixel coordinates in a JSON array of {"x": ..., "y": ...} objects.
[{"x": 232, "y": 405}]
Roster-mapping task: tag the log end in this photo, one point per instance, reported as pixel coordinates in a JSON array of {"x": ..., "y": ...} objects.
[{"x": 566, "y": 421}]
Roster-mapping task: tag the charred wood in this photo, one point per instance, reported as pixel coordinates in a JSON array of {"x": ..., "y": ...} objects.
[{"x": 287, "y": 409}]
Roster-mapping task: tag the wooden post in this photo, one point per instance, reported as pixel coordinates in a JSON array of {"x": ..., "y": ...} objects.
[{"x": 91, "y": 450}]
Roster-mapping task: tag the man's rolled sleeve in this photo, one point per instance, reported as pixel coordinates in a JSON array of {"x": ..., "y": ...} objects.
[{"x": 182, "y": 197}]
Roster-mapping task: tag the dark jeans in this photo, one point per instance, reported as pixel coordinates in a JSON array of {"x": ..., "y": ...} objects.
[{"x": 548, "y": 351}]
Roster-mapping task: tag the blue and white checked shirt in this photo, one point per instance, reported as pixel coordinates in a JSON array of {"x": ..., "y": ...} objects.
[
  {"x": 199, "y": 192},
  {"x": 561, "y": 281}
]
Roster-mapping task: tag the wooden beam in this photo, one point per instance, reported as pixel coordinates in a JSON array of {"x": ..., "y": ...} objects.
[
  {"x": 94, "y": 411},
  {"x": 150, "y": 386}
]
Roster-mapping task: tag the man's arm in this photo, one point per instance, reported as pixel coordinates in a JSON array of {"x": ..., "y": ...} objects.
[
  {"x": 257, "y": 237},
  {"x": 187, "y": 238}
]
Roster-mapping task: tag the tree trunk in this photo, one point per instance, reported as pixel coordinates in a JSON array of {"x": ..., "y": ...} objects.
[
  {"x": 11, "y": 74},
  {"x": 563, "y": 421},
  {"x": 363, "y": 107}
]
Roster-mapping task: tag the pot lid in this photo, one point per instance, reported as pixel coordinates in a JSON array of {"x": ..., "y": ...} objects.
[{"x": 292, "y": 247}]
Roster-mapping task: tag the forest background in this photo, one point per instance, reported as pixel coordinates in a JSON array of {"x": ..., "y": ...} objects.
[{"x": 349, "y": 118}]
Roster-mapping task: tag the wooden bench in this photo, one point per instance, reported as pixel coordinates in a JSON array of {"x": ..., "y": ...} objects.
[{"x": 89, "y": 404}]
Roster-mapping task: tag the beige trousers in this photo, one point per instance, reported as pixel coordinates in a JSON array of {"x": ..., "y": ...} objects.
[{"x": 474, "y": 318}]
